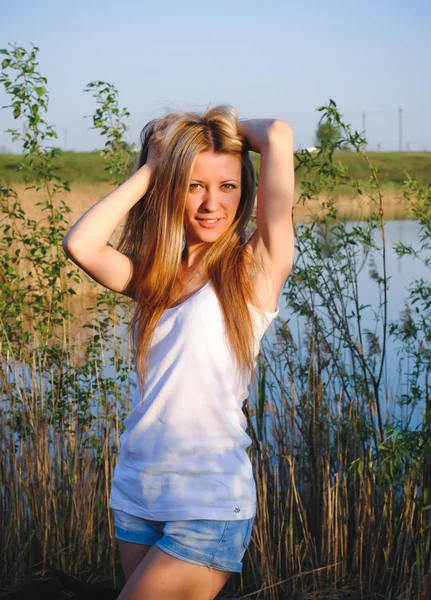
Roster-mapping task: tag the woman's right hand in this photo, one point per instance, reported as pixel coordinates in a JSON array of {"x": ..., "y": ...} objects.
[
  {"x": 156, "y": 142},
  {"x": 153, "y": 155}
]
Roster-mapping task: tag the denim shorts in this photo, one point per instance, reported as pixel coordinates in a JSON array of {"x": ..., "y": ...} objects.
[{"x": 217, "y": 544}]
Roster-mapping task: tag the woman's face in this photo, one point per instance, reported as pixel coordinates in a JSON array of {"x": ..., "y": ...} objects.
[{"x": 215, "y": 193}]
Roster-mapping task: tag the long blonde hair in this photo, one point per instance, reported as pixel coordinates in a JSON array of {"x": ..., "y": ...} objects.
[{"x": 153, "y": 233}]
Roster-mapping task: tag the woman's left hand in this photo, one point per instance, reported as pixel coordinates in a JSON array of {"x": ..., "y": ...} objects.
[{"x": 258, "y": 132}]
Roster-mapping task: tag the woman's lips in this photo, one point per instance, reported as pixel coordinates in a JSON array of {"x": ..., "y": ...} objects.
[{"x": 207, "y": 225}]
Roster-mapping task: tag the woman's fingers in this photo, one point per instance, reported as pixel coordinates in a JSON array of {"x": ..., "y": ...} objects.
[{"x": 152, "y": 152}]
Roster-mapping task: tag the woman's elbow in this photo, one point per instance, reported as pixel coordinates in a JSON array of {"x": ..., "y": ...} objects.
[{"x": 280, "y": 130}]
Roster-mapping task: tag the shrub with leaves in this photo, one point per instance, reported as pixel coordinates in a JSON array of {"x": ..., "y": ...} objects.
[{"x": 61, "y": 413}]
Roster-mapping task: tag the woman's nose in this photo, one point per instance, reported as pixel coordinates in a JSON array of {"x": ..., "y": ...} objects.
[{"x": 211, "y": 198}]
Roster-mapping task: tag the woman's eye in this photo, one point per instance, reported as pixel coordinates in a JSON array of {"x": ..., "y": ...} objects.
[{"x": 229, "y": 186}]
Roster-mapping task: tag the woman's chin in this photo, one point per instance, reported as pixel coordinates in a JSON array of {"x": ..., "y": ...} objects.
[{"x": 205, "y": 235}]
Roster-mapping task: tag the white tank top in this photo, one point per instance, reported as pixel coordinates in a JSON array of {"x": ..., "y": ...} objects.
[{"x": 183, "y": 452}]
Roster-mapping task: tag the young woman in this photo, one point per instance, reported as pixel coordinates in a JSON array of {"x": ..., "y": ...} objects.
[{"x": 205, "y": 291}]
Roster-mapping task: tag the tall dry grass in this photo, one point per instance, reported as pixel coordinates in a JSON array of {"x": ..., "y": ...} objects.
[{"x": 82, "y": 196}]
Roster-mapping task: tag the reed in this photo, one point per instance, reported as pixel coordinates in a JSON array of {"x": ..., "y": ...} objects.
[{"x": 343, "y": 489}]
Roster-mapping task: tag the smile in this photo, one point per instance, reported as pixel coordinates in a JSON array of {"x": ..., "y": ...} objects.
[{"x": 208, "y": 223}]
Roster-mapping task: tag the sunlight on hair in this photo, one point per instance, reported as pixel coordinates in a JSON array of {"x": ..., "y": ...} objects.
[{"x": 153, "y": 233}]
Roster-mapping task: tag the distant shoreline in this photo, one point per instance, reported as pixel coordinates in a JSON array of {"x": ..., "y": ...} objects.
[{"x": 89, "y": 168}]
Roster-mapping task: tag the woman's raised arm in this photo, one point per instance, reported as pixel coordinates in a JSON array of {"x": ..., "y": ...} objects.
[
  {"x": 274, "y": 238},
  {"x": 86, "y": 243},
  {"x": 93, "y": 230}
]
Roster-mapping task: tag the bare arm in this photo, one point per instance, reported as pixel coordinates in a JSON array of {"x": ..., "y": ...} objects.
[
  {"x": 93, "y": 230},
  {"x": 86, "y": 243},
  {"x": 274, "y": 237}
]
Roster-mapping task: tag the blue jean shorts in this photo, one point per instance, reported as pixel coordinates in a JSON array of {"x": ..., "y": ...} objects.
[{"x": 216, "y": 544}]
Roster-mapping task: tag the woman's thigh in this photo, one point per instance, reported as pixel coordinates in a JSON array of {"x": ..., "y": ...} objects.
[
  {"x": 135, "y": 538},
  {"x": 131, "y": 555},
  {"x": 162, "y": 576}
]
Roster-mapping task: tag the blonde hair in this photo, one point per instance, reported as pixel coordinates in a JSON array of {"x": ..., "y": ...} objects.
[{"x": 153, "y": 233}]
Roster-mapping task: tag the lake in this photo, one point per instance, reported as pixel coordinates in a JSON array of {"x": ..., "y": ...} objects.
[{"x": 401, "y": 272}]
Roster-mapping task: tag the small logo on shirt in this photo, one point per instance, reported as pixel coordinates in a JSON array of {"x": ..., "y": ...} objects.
[{"x": 237, "y": 509}]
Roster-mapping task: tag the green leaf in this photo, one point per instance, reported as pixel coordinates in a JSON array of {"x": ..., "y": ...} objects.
[
  {"x": 6, "y": 63},
  {"x": 40, "y": 91}
]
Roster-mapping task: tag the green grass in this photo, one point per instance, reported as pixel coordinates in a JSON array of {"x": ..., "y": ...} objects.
[
  {"x": 89, "y": 167},
  {"x": 392, "y": 166},
  {"x": 82, "y": 167}
]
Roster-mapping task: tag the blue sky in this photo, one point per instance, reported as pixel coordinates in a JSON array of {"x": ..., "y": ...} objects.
[{"x": 268, "y": 59}]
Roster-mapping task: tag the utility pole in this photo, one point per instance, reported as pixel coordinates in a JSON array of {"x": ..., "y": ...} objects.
[{"x": 400, "y": 110}]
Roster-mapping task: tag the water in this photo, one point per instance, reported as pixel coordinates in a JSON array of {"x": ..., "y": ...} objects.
[{"x": 401, "y": 272}]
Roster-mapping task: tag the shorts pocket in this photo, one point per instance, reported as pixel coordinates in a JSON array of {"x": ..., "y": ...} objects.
[{"x": 248, "y": 532}]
